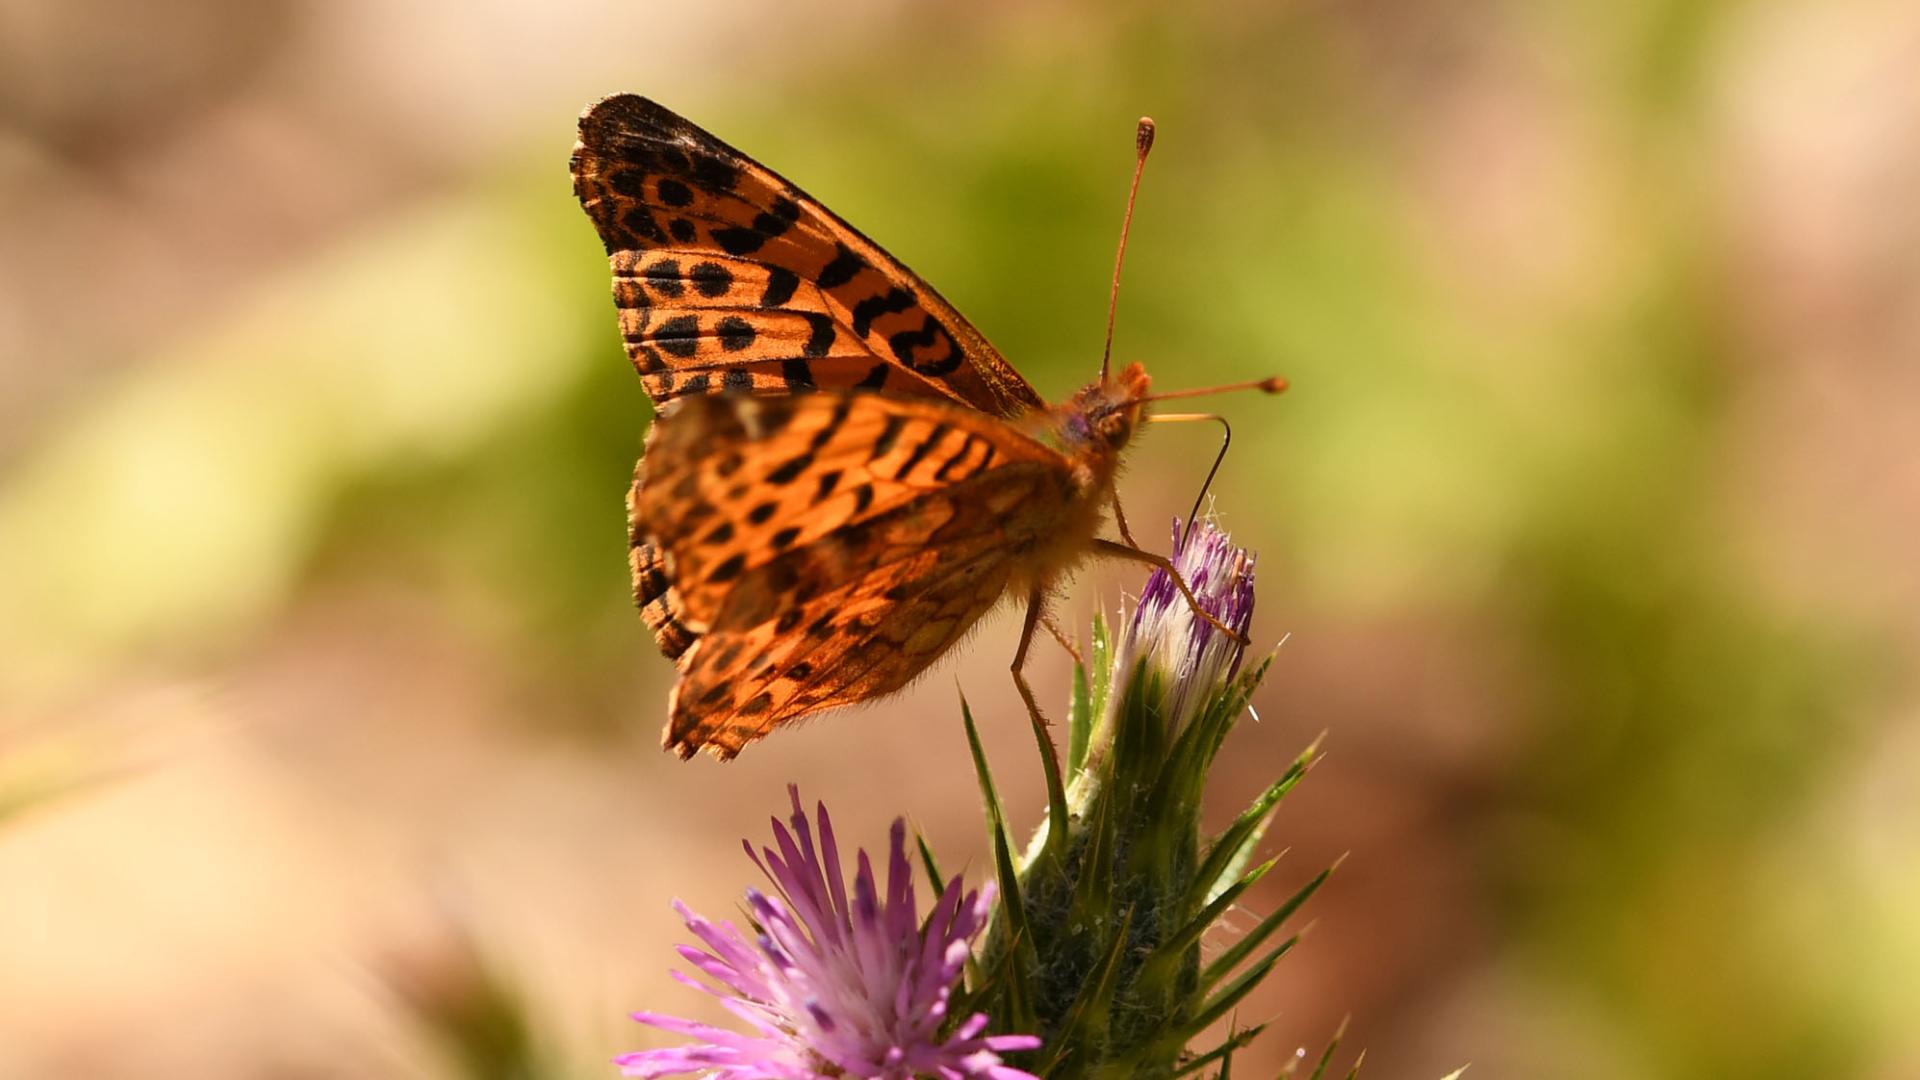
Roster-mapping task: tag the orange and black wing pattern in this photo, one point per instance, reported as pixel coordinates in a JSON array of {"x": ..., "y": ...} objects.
[
  {"x": 728, "y": 277},
  {"x": 801, "y": 553}
]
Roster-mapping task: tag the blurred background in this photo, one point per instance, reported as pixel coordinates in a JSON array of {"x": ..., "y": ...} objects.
[{"x": 328, "y": 736}]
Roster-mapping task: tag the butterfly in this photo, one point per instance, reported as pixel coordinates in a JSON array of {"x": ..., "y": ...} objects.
[{"x": 843, "y": 476}]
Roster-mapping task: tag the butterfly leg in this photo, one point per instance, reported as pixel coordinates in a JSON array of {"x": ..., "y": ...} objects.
[
  {"x": 1161, "y": 562},
  {"x": 1053, "y": 627},
  {"x": 1036, "y": 611},
  {"x": 1120, "y": 522}
]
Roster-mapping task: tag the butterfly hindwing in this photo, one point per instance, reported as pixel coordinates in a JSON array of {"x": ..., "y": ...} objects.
[
  {"x": 846, "y": 645},
  {"x": 796, "y": 554},
  {"x": 728, "y": 277}
]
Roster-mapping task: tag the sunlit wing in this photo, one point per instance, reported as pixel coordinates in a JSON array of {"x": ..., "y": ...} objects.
[
  {"x": 846, "y": 645},
  {"x": 726, "y": 276},
  {"x": 801, "y": 553}
]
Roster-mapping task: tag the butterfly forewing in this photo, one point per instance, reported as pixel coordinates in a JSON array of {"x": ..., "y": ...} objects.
[
  {"x": 728, "y": 277},
  {"x": 801, "y": 553}
]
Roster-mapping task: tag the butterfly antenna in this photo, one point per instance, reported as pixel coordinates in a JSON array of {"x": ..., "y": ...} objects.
[
  {"x": 1275, "y": 385},
  {"x": 1142, "y": 142}
]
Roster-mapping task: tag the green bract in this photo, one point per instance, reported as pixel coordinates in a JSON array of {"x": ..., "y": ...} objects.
[{"x": 1096, "y": 946}]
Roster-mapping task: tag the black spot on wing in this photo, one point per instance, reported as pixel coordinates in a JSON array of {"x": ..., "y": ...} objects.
[
  {"x": 674, "y": 159},
  {"x": 781, "y": 284},
  {"x": 737, "y": 240},
  {"x": 646, "y": 358},
  {"x": 905, "y": 342},
  {"x": 663, "y": 277},
  {"x": 889, "y": 434},
  {"x": 735, "y": 333},
  {"x": 841, "y": 270},
  {"x": 715, "y": 174},
  {"x": 630, "y": 293},
  {"x": 864, "y": 312},
  {"x": 679, "y": 336},
  {"x": 629, "y": 182},
  {"x": 710, "y": 279},
  {"x": 966, "y": 447},
  {"x": 773, "y": 222},
  {"x": 791, "y": 468},
  {"x": 822, "y": 334},
  {"x": 841, "y": 409},
  {"x": 920, "y": 452},
  {"x": 638, "y": 221}
]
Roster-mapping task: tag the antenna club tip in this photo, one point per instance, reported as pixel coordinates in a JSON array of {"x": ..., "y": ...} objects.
[
  {"x": 1276, "y": 385},
  {"x": 1143, "y": 135}
]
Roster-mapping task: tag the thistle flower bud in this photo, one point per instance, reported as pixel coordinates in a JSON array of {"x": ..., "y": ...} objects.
[
  {"x": 1097, "y": 945},
  {"x": 1191, "y": 654}
]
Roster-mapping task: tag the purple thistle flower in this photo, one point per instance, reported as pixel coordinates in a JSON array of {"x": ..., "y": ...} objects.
[
  {"x": 835, "y": 986},
  {"x": 1191, "y": 653}
]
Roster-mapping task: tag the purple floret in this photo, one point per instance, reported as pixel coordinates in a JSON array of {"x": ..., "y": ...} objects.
[{"x": 835, "y": 986}]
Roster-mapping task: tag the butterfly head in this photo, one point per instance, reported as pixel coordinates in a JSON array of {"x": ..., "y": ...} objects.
[{"x": 1103, "y": 416}]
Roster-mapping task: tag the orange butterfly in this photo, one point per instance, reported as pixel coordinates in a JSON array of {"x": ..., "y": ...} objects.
[{"x": 843, "y": 475}]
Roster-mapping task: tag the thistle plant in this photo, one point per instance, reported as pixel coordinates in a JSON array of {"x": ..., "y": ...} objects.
[
  {"x": 1097, "y": 944},
  {"x": 1093, "y": 963}
]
